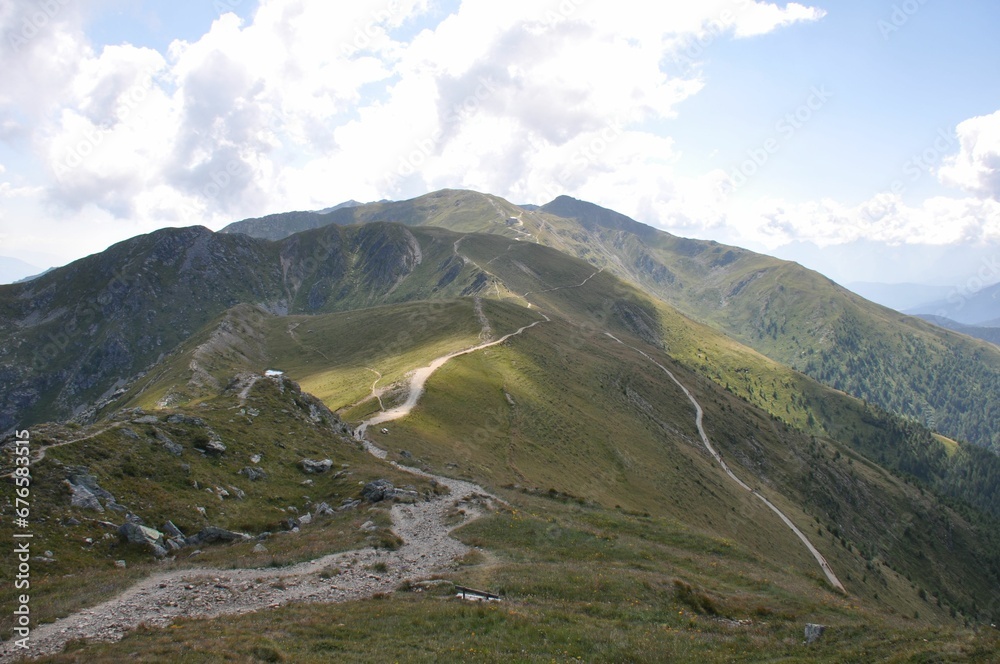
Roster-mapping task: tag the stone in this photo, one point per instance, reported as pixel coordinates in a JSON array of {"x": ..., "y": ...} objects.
[
  {"x": 121, "y": 564},
  {"x": 211, "y": 534},
  {"x": 259, "y": 548},
  {"x": 171, "y": 530},
  {"x": 310, "y": 466},
  {"x": 255, "y": 458},
  {"x": 128, "y": 433},
  {"x": 369, "y": 526},
  {"x": 82, "y": 497},
  {"x": 85, "y": 492},
  {"x": 179, "y": 418},
  {"x": 349, "y": 505},
  {"x": 378, "y": 490},
  {"x": 215, "y": 447},
  {"x": 253, "y": 474},
  {"x": 174, "y": 448},
  {"x": 147, "y": 419},
  {"x": 137, "y": 534},
  {"x": 405, "y": 454},
  {"x": 323, "y": 510},
  {"x": 814, "y": 632},
  {"x": 305, "y": 519}
]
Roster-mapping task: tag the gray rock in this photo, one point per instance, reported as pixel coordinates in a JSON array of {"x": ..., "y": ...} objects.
[
  {"x": 378, "y": 490},
  {"x": 171, "y": 530},
  {"x": 814, "y": 632},
  {"x": 135, "y": 534},
  {"x": 215, "y": 447},
  {"x": 349, "y": 505},
  {"x": 310, "y": 466},
  {"x": 120, "y": 564},
  {"x": 174, "y": 448},
  {"x": 179, "y": 418},
  {"x": 305, "y": 519},
  {"x": 253, "y": 474},
  {"x": 146, "y": 419},
  {"x": 211, "y": 534},
  {"x": 405, "y": 454},
  {"x": 369, "y": 526},
  {"x": 323, "y": 510},
  {"x": 238, "y": 492},
  {"x": 259, "y": 548},
  {"x": 82, "y": 497},
  {"x": 128, "y": 433}
]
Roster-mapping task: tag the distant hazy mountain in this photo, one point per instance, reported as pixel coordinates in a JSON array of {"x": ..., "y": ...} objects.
[
  {"x": 966, "y": 305},
  {"x": 346, "y": 204},
  {"x": 986, "y": 333},
  {"x": 14, "y": 269},
  {"x": 900, "y": 297}
]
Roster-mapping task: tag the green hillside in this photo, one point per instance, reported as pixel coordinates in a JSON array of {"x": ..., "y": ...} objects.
[{"x": 795, "y": 316}]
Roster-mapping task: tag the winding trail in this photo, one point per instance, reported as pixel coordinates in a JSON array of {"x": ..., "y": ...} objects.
[
  {"x": 427, "y": 548},
  {"x": 161, "y": 598},
  {"x": 418, "y": 381},
  {"x": 699, "y": 418}
]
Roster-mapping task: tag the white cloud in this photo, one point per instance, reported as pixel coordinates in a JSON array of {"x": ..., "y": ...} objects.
[
  {"x": 976, "y": 167},
  {"x": 312, "y": 102}
]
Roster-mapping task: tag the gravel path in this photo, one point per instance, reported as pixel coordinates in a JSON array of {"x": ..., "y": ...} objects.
[
  {"x": 699, "y": 418},
  {"x": 207, "y": 592}
]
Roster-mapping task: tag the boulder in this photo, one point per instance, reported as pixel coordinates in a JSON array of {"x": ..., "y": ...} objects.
[
  {"x": 171, "y": 530},
  {"x": 211, "y": 534},
  {"x": 136, "y": 534},
  {"x": 323, "y": 510},
  {"x": 378, "y": 490},
  {"x": 814, "y": 632},
  {"x": 86, "y": 493},
  {"x": 146, "y": 419},
  {"x": 305, "y": 519},
  {"x": 82, "y": 497},
  {"x": 253, "y": 474},
  {"x": 310, "y": 466},
  {"x": 179, "y": 418},
  {"x": 215, "y": 447},
  {"x": 172, "y": 447}
]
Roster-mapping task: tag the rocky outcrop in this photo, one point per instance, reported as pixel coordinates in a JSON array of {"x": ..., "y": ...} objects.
[{"x": 85, "y": 493}]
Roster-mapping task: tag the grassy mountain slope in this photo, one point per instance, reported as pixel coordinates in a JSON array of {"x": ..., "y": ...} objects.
[
  {"x": 812, "y": 446},
  {"x": 619, "y": 521},
  {"x": 624, "y": 539},
  {"x": 793, "y": 315},
  {"x": 75, "y": 335}
]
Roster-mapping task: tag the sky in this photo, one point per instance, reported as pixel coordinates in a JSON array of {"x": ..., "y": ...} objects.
[{"x": 859, "y": 137}]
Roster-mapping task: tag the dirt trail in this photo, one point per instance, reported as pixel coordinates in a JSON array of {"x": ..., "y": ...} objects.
[
  {"x": 418, "y": 379},
  {"x": 699, "y": 417},
  {"x": 208, "y": 592},
  {"x": 39, "y": 453}
]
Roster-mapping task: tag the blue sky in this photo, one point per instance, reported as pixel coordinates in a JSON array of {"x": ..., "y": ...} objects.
[{"x": 826, "y": 132}]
